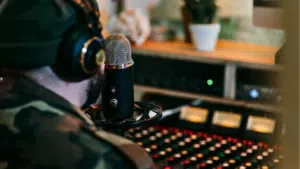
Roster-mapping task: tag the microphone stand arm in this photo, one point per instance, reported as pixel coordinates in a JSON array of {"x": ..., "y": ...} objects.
[{"x": 145, "y": 113}]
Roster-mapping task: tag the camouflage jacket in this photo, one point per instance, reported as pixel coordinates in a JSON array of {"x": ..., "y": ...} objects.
[{"x": 40, "y": 130}]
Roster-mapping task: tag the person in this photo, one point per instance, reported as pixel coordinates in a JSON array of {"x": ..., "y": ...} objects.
[{"x": 42, "y": 125}]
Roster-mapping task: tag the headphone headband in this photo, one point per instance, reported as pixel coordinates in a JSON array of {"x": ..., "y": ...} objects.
[{"x": 90, "y": 11}]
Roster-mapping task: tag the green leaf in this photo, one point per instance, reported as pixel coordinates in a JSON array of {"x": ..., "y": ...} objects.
[{"x": 202, "y": 11}]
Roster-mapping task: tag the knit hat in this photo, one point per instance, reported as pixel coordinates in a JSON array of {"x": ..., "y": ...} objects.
[{"x": 31, "y": 31}]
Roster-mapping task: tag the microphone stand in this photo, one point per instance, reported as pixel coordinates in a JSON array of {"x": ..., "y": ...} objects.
[
  {"x": 119, "y": 125},
  {"x": 118, "y": 130}
]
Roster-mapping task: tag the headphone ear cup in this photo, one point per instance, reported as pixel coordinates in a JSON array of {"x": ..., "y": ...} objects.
[
  {"x": 79, "y": 50},
  {"x": 68, "y": 66}
]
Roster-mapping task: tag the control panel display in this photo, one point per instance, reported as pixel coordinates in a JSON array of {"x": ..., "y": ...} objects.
[
  {"x": 227, "y": 119},
  {"x": 261, "y": 124},
  {"x": 194, "y": 114}
]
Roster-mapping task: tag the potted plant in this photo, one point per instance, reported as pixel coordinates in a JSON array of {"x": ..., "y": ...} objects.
[{"x": 204, "y": 27}]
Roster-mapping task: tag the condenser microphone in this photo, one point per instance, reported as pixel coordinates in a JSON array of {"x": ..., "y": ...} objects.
[
  {"x": 118, "y": 92},
  {"x": 118, "y": 111}
]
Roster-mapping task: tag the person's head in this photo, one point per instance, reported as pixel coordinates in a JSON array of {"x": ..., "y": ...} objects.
[{"x": 53, "y": 40}]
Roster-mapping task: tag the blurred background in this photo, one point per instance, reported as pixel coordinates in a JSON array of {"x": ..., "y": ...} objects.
[{"x": 235, "y": 16}]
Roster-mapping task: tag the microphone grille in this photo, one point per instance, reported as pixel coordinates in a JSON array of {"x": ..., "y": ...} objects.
[{"x": 117, "y": 50}]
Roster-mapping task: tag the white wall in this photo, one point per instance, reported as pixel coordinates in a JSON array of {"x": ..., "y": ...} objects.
[
  {"x": 167, "y": 9},
  {"x": 233, "y": 8}
]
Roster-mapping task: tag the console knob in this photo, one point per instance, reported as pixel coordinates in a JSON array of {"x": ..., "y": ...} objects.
[{"x": 113, "y": 103}]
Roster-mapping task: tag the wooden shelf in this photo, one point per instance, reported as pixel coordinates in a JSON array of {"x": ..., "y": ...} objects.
[
  {"x": 212, "y": 99},
  {"x": 229, "y": 53},
  {"x": 242, "y": 54}
]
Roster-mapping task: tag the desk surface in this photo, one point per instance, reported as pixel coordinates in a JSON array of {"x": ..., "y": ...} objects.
[{"x": 226, "y": 51}]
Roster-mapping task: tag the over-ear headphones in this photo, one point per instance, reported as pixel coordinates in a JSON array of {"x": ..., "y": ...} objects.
[{"x": 81, "y": 52}]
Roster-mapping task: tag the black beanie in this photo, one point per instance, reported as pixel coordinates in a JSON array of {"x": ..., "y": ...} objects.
[{"x": 31, "y": 30}]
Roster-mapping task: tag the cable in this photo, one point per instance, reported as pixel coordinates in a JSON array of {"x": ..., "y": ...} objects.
[{"x": 173, "y": 111}]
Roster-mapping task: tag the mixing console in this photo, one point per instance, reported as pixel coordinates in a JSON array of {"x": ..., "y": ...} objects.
[
  {"x": 173, "y": 148},
  {"x": 211, "y": 135}
]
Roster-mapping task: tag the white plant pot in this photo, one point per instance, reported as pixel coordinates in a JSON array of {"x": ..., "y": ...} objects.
[{"x": 205, "y": 36}]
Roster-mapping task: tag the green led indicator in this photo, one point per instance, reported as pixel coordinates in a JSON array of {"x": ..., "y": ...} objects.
[{"x": 210, "y": 82}]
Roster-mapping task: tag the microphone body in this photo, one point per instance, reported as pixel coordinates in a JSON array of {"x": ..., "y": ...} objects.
[{"x": 118, "y": 92}]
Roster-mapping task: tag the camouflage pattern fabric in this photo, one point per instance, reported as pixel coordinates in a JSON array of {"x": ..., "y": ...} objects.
[{"x": 40, "y": 130}]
